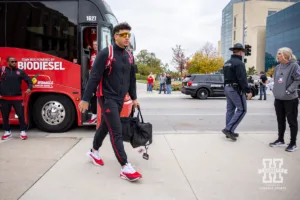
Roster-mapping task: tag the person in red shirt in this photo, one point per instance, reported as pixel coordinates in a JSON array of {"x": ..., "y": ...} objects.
[
  {"x": 94, "y": 52},
  {"x": 150, "y": 82},
  {"x": 90, "y": 35}
]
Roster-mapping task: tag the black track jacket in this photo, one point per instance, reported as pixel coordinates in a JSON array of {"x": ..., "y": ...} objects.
[
  {"x": 11, "y": 82},
  {"x": 119, "y": 82}
]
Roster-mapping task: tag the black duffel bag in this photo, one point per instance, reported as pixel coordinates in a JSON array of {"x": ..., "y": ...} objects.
[
  {"x": 137, "y": 132},
  {"x": 142, "y": 132}
]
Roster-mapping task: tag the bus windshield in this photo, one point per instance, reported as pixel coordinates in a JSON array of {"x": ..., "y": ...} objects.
[{"x": 112, "y": 19}]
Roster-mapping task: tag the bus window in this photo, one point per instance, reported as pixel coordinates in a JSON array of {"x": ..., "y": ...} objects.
[
  {"x": 2, "y": 25},
  {"x": 105, "y": 37},
  {"x": 43, "y": 26}
]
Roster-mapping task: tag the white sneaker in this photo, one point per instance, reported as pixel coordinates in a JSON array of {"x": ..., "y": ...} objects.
[
  {"x": 93, "y": 119},
  {"x": 94, "y": 156},
  {"x": 7, "y": 134},
  {"x": 23, "y": 135},
  {"x": 129, "y": 173}
]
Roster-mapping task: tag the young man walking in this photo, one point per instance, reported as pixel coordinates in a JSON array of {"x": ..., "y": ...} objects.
[
  {"x": 11, "y": 96},
  {"x": 115, "y": 82}
]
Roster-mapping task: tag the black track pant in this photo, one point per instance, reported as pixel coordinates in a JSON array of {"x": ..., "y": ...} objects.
[
  {"x": 111, "y": 122},
  {"x": 287, "y": 109},
  {"x": 5, "y": 110}
]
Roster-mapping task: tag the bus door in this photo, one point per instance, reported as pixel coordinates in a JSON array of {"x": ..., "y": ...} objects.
[
  {"x": 89, "y": 48},
  {"x": 105, "y": 39},
  {"x": 94, "y": 37}
]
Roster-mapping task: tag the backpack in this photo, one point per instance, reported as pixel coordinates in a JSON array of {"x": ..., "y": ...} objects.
[
  {"x": 111, "y": 56},
  {"x": 108, "y": 66}
]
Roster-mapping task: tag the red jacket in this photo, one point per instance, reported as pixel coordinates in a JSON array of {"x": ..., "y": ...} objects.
[
  {"x": 150, "y": 80},
  {"x": 93, "y": 57}
]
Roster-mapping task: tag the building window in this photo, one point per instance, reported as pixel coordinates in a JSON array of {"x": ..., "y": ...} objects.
[
  {"x": 233, "y": 35},
  {"x": 234, "y": 22}
]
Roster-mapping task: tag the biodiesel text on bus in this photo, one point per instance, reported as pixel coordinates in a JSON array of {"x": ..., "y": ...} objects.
[{"x": 28, "y": 65}]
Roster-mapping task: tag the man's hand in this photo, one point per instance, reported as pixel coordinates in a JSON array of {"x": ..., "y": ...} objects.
[
  {"x": 135, "y": 103},
  {"x": 83, "y": 106},
  {"x": 249, "y": 96},
  {"x": 28, "y": 91}
]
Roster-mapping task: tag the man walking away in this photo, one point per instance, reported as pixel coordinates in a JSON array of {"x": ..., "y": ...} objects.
[
  {"x": 162, "y": 83},
  {"x": 236, "y": 85},
  {"x": 115, "y": 82},
  {"x": 169, "y": 83},
  {"x": 286, "y": 81},
  {"x": 11, "y": 96},
  {"x": 262, "y": 85}
]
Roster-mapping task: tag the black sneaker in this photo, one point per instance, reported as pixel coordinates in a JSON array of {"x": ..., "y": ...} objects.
[
  {"x": 291, "y": 148},
  {"x": 229, "y": 134},
  {"x": 234, "y": 134},
  {"x": 277, "y": 143}
]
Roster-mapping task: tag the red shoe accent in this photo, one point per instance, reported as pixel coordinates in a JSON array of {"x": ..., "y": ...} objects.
[
  {"x": 131, "y": 177},
  {"x": 23, "y": 137},
  {"x": 98, "y": 162},
  {"x": 93, "y": 120},
  {"x": 5, "y": 137},
  {"x": 107, "y": 110}
]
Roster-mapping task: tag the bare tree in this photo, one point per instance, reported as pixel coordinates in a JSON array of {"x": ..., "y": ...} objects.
[
  {"x": 179, "y": 59},
  {"x": 209, "y": 50}
]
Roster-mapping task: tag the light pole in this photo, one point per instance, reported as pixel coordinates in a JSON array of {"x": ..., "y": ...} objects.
[
  {"x": 244, "y": 10},
  {"x": 244, "y": 22}
]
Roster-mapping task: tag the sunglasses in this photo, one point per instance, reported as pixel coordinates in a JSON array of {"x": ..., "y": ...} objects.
[
  {"x": 13, "y": 61},
  {"x": 124, "y": 35}
]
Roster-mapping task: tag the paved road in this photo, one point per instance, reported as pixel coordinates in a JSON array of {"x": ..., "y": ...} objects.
[
  {"x": 179, "y": 113},
  {"x": 189, "y": 160}
]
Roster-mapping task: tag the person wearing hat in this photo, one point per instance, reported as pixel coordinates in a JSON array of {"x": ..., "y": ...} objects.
[{"x": 236, "y": 86}]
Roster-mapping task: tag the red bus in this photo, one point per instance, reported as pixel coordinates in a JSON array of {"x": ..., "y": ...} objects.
[{"x": 51, "y": 41}]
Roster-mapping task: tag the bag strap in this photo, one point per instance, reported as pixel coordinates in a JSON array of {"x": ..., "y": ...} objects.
[
  {"x": 130, "y": 55},
  {"x": 110, "y": 58},
  {"x": 140, "y": 114}
]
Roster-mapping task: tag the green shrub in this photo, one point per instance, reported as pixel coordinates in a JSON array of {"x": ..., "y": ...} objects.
[
  {"x": 141, "y": 77},
  {"x": 175, "y": 86}
]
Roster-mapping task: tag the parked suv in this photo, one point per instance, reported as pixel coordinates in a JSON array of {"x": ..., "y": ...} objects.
[{"x": 201, "y": 86}]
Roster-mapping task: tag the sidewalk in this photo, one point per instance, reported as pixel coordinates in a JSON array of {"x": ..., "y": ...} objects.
[{"x": 181, "y": 167}]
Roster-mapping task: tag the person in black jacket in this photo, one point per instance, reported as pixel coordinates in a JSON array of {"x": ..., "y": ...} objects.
[
  {"x": 115, "y": 83},
  {"x": 11, "y": 95},
  {"x": 236, "y": 86},
  {"x": 169, "y": 83}
]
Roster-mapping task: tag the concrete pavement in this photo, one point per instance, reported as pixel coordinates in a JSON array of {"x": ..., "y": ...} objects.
[
  {"x": 189, "y": 159},
  {"x": 181, "y": 167}
]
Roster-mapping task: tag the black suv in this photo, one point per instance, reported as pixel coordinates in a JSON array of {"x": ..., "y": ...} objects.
[{"x": 201, "y": 86}]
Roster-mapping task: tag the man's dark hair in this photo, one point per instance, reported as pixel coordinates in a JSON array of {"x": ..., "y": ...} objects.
[
  {"x": 121, "y": 26},
  {"x": 262, "y": 72}
]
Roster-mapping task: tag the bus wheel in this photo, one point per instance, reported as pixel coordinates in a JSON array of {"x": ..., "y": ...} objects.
[{"x": 54, "y": 113}]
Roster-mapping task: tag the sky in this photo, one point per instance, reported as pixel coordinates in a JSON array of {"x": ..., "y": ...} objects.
[{"x": 158, "y": 25}]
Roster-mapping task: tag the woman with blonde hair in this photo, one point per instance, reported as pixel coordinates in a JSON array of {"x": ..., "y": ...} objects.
[{"x": 286, "y": 81}]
